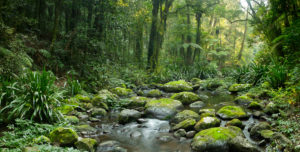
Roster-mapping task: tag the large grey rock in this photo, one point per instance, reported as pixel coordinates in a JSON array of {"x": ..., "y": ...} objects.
[{"x": 129, "y": 115}]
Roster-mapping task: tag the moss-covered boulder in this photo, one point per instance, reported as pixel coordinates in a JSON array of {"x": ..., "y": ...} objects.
[
  {"x": 42, "y": 140},
  {"x": 121, "y": 92},
  {"x": 207, "y": 115},
  {"x": 83, "y": 98},
  {"x": 207, "y": 122},
  {"x": 102, "y": 98},
  {"x": 213, "y": 84},
  {"x": 66, "y": 109},
  {"x": 196, "y": 81},
  {"x": 196, "y": 106},
  {"x": 266, "y": 134},
  {"x": 154, "y": 93},
  {"x": 98, "y": 112},
  {"x": 235, "y": 122},
  {"x": 128, "y": 115},
  {"x": 85, "y": 128},
  {"x": 86, "y": 144},
  {"x": 255, "y": 105},
  {"x": 185, "y": 114},
  {"x": 177, "y": 86},
  {"x": 215, "y": 139},
  {"x": 72, "y": 119},
  {"x": 255, "y": 131},
  {"x": 164, "y": 108},
  {"x": 232, "y": 112},
  {"x": 187, "y": 125},
  {"x": 138, "y": 101},
  {"x": 239, "y": 87},
  {"x": 63, "y": 136},
  {"x": 186, "y": 97},
  {"x": 212, "y": 111},
  {"x": 243, "y": 100},
  {"x": 271, "y": 108}
]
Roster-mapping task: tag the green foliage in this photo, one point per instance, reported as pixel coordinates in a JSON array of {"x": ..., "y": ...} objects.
[
  {"x": 277, "y": 75},
  {"x": 34, "y": 96},
  {"x": 23, "y": 133}
]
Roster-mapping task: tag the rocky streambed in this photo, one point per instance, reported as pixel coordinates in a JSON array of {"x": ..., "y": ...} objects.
[{"x": 177, "y": 116}]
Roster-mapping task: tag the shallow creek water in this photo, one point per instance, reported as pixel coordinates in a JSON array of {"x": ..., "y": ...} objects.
[{"x": 152, "y": 135}]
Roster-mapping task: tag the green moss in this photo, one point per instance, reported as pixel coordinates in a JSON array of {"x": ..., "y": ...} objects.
[
  {"x": 243, "y": 100},
  {"x": 212, "y": 111},
  {"x": 186, "y": 114},
  {"x": 255, "y": 105},
  {"x": 122, "y": 92},
  {"x": 85, "y": 128},
  {"x": 187, "y": 124},
  {"x": 86, "y": 144},
  {"x": 239, "y": 87},
  {"x": 102, "y": 98},
  {"x": 163, "y": 102},
  {"x": 235, "y": 122},
  {"x": 207, "y": 115},
  {"x": 63, "y": 136},
  {"x": 196, "y": 81},
  {"x": 98, "y": 112},
  {"x": 266, "y": 134},
  {"x": 154, "y": 93},
  {"x": 66, "y": 109},
  {"x": 207, "y": 122},
  {"x": 137, "y": 101},
  {"x": 177, "y": 86},
  {"x": 186, "y": 97},
  {"x": 217, "y": 134},
  {"x": 83, "y": 98},
  {"x": 41, "y": 140},
  {"x": 72, "y": 119},
  {"x": 231, "y": 112}
]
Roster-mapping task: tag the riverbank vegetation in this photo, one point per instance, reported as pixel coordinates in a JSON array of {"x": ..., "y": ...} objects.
[{"x": 64, "y": 58}]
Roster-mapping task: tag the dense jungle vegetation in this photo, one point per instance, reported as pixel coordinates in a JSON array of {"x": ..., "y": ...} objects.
[{"x": 62, "y": 60}]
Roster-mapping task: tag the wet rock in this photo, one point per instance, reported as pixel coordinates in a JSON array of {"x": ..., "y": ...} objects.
[
  {"x": 128, "y": 115},
  {"x": 177, "y": 86},
  {"x": 180, "y": 133},
  {"x": 207, "y": 122},
  {"x": 271, "y": 108},
  {"x": 154, "y": 93},
  {"x": 185, "y": 114},
  {"x": 243, "y": 100},
  {"x": 231, "y": 112},
  {"x": 240, "y": 144},
  {"x": 187, "y": 124},
  {"x": 190, "y": 134},
  {"x": 101, "y": 99},
  {"x": 215, "y": 139},
  {"x": 212, "y": 111},
  {"x": 163, "y": 108},
  {"x": 165, "y": 139},
  {"x": 92, "y": 119},
  {"x": 266, "y": 134},
  {"x": 141, "y": 120},
  {"x": 197, "y": 105},
  {"x": 72, "y": 119},
  {"x": 239, "y": 87},
  {"x": 182, "y": 139},
  {"x": 98, "y": 112},
  {"x": 203, "y": 97},
  {"x": 86, "y": 144},
  {"x": 110, "y": 146},
  {"x": 136, "y": 134},
  {"x": 255, "y": 105},
  {"x": 235, "y": 122},
  {"x": 121, "y": 92},
  {"x": 138, "y": 101},
  {"x": 258, "y": 114},
  {"x": 257, "y": 128},
  {"x": 63, "y": 136},
  {"x": 85, "y": 128},
  {"x": 207, "y": 115},
  {"x": 186, "y": 97}
]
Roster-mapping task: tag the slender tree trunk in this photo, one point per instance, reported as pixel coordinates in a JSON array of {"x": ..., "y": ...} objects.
[
  {"x": 189, "y": 52},
  {"x": 56, "y": 22},
  {"x": 198, "y": 33},
  {"x": 90, "y": 13},
  {"x": 244, "y": 37},
  {"x": 153, "y": 37}
]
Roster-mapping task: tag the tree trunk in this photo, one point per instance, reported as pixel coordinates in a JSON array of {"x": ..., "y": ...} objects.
[
  {"x": 198, "y": 33},
  {"x": 56, "y": 22},
  {"x": 90, "y": 13},
  {"x": 244, "y": 37},
  {"x": 153, "y": 37},
  {"x": 189, "y": 52}
]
